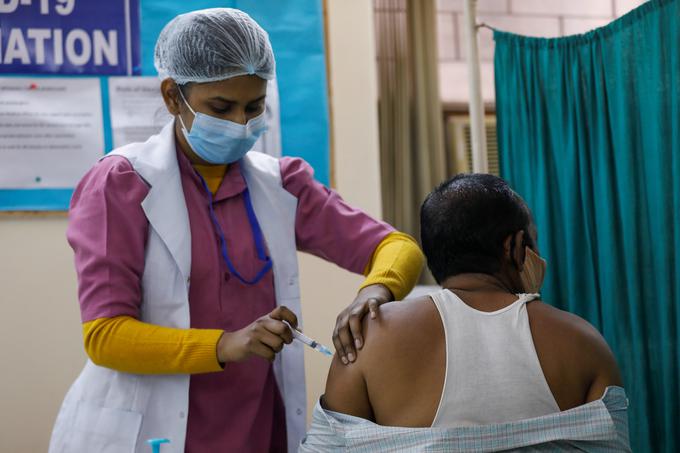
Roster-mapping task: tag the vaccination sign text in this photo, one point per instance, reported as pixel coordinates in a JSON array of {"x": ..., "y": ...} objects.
[{"x": 99, "y": 37}]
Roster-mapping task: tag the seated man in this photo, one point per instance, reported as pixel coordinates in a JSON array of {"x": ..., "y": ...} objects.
[{"x": 483, "y": 357}]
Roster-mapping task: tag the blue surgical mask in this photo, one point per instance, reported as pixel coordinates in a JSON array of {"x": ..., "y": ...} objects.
[{"x": 221, "y": 141}]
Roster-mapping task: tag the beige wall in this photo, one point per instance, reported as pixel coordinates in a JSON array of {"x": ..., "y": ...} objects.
[
  {"x": 327, "y": 289},
  {"x": 547, "y": 18},
  {"x": 41, "y": 350},
  {"x": 40, "y": 339}
]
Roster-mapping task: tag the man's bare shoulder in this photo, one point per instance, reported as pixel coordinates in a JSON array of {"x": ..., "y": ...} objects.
[
  {"x": 398, "y": 321},
  {"x": 393, "y": 330},
  {"x": 403, "y": 335},
  {"x": 577, "y": 342},
  {"x": 563, "y": 325}
]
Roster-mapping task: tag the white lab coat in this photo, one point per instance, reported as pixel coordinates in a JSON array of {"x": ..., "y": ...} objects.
[{"x": 107, "y": 411}]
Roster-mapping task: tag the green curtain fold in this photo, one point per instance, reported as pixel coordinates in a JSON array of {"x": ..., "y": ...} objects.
[{"x": 589, "y": 135}]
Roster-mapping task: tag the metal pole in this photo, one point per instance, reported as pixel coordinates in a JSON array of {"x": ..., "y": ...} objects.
[{"x": 478, "y": 132}]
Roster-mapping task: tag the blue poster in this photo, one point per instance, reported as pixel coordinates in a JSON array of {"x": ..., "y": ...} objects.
[
  {"x": 91, "y": 37},
  {"x": 296, "y": 30},
  {"x": 118, "y": 38}
]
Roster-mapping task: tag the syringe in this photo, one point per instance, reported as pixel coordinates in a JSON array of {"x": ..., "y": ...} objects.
[{"x": 297, "y": 335}]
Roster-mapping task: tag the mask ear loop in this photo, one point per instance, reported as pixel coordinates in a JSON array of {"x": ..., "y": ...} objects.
[
  {"x": 181, "y": 93},
  {"x": 512, "y": 250},
  {"x": 184, "y": 127},
  {"x": 524, "y": 246}
]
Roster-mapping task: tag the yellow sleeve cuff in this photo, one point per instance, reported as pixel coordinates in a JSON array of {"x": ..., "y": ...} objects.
[
  {"x": 126, "y": 344},
  {"x": 396, "y": 263}
]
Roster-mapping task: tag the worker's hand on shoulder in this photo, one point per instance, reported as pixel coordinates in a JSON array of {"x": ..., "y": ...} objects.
[
  {"x": 264, "y": 338},
  {"x": 347, "y": 336}
]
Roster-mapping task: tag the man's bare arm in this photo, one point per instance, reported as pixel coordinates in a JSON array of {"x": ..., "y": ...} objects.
[
  {"x": 346, "y": 390},
  {"x": 378, "y": 385},
  {"x": 604, "y": 364},
  {"x": 346, "y": 386}
]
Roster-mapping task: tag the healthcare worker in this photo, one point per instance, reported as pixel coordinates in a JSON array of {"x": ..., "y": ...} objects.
[{"x": 185, "y": 249}]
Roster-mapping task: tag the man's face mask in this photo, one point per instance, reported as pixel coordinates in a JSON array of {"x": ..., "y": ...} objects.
[{"x": 533, "y": 272}]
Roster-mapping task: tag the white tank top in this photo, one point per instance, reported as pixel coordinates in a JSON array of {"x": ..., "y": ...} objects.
[{"x": 492, "y": 371}]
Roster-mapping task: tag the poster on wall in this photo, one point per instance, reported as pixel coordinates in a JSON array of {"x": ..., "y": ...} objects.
[
  {"x": 136, "y": 108},
  {"x": 102, "y": 59},
  {"x": 69, "y": 37},
  {"x": 50, "y": 131}
]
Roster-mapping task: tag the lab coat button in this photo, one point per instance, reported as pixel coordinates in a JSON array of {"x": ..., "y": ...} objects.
[
  {"x": 299, "y": 411},
  {"x": 291, "y": 282},
  {"x": 181, "y": 415}
]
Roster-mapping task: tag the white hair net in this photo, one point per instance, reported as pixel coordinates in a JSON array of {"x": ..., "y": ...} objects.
[{"x": 213, "y": 44}]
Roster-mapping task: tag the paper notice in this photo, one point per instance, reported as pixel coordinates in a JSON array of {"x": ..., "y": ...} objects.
[
  {"x": 137, "y": 109},
  {"x": 51, "y": 131}
]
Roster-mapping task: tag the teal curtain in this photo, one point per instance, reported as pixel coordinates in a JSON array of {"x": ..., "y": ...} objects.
[{"x": 589, "y": 135}]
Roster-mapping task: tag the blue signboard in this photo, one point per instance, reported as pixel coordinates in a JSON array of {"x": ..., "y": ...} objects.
[{"x": 69, "y": 37}]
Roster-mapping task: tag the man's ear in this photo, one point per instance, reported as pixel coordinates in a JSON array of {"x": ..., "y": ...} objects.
[
  {"x": 514, "y": 249},
  {"x": 170, "y": 93}
]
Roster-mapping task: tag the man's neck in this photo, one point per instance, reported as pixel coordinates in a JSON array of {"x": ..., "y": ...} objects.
[
  {"x": 482, "y": 292},
  {"x": 477, "y": 282}
]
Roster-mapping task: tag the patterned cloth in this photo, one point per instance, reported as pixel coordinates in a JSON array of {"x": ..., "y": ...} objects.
[{"x": 600, "y": 426}]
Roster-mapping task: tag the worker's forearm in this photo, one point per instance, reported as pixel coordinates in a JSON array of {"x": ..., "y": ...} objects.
[
  {"x": 126, "y": 344},
  {"x": 396, "y": 264}
]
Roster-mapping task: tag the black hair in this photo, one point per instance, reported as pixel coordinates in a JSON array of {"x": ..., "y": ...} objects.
[{"x": 464, "y": 221}]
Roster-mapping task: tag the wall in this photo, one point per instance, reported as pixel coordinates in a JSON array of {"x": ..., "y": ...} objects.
[
  {"x": 327, "y": 289},
  {"x": 547, "y": 18},
  {"x": 41, "y": 349}
]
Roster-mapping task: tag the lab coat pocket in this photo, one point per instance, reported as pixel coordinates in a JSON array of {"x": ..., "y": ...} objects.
[{"x": 104, "y": 430}]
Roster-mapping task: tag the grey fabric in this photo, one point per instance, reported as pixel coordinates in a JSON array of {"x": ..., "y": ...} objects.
[{"x": 599, "y": 427}]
